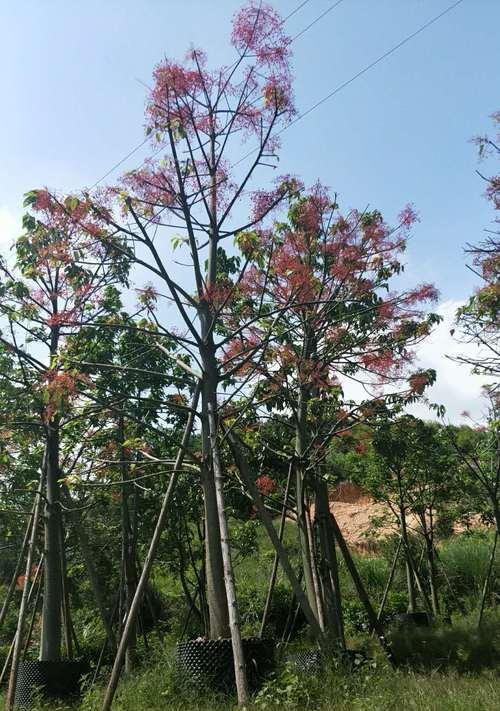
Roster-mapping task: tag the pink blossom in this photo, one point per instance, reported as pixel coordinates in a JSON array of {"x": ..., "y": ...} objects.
[{"x": 408, "y": 216}]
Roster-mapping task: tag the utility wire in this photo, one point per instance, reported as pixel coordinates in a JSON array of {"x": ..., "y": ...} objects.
[
  {"x": 320, "y": 17},
  {"x": 145, "y": 140},
  {"x": 117, "y": 165},
  {"x": 299, "y": 7},
  {"x": 360, "y": 73},
  {"x": 375, "y": 62},
  {"x": 335, "y": 91}
]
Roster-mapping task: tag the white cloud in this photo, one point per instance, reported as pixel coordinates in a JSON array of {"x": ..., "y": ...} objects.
[{"x": 456, "y": 388}]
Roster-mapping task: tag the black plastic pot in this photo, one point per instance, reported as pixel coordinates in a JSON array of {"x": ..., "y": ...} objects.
[
  {"x": 60, "y": 680},
  {"x": 412, "y": 619},
  {"x": 209, "y": 662},
  {"x": 311, "y": 661}
]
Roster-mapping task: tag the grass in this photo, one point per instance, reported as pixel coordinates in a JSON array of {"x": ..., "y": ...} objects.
[
  {"x": 444, "y": 668},
  {"x": 373, "y": 691}
]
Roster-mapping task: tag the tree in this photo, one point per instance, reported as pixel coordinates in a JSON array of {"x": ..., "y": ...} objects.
[
  {"x": 47, "y": 296},
  {"x": 328, "y": 278},
  {"x": 478, "y": 450},
  {"x": 411, "y": 468},
  {"x": 199, "y": 116},
  {"x": 131, "y": 389},
  {"x": 478, "y": 318}
]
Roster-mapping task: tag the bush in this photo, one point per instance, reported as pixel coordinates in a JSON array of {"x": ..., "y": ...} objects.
[
  {"x": 461, "y": 648},
  {"x": 465, "y": 561}
]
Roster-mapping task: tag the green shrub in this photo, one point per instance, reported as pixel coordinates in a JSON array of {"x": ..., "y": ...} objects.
[
  {"x": 461, "y": 648},
  {"x": 465, "y": 561},
  {"x": 289, "y": 689}
]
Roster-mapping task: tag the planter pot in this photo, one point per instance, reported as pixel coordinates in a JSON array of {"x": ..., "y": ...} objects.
[
  {"x": 412, "y": 619},
  {"x": 307, "y": 662},
  {"x": 209, "y": 662},
  {"x": 51, "y": 679},
  {"x": 312, "y": 662}
]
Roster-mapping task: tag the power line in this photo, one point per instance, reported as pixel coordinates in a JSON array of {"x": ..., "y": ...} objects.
[
  {"x": 335, "y": 91},
  {"x": 145, "y": 140},
  {"x": 291, "y": 14},
  {"x": 320, "y": 17},
  {"x": 375, "y": 62},
  {"x": 117, "y": 165},
  {"x": 361, "y": 72}
]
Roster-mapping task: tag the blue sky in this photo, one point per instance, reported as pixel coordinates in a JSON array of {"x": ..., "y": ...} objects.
[{"x": 73, "y": 102}]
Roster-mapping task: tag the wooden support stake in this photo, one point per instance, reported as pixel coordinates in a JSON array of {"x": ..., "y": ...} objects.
[
  {"x": 274, "y": 572},
  {"x": 363, "y": 596},
  {"x": 487, "y": 580},
  {"x": 12, "y": 586},
  {"x": 264, "y": 516},
  {"x": 18, "y": 640}
]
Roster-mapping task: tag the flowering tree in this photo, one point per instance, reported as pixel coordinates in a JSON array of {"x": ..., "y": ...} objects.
[
  {"x": 328, "y": 277},
  {"x": 46, "y": 297},
  {"x": 199, "y": 117}
]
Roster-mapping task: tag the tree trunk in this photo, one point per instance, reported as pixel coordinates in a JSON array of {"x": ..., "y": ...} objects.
[
  {"x": 214, "y": 568},
  {"x": 50, "y": 642},
  {"x": 234, "y": 621},
  {"x": 410, "y": 583},
  {"x": 328, "y": 567}
]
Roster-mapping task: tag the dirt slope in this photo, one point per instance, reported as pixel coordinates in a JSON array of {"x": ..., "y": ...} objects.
[{"x": 355, "y": 512}]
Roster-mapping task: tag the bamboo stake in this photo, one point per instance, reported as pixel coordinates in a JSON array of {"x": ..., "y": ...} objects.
[
  {"x": 78, "y": 525},
  {"x": 372, "y": 617},
  {"x": 68, "y": 640},
  {"x": 17, "y": 571},
  {"x": 278, "y": 546},
  {"x": 274, "y": 572},
  {"x": 309, "y": 538},
  {"x": 35, "y": 607},
  {"x": 418, "y": 578},
  {"x": 7, "y": 661},
  {"x": 334, "y": 623},
  {"x": 11, "y": 648},
  {"x": 148, "y": 562},
  {"x": 389, "y": 580},
  {"x": 106, "y": 642},
  {"x": 18, "y": 640}
]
